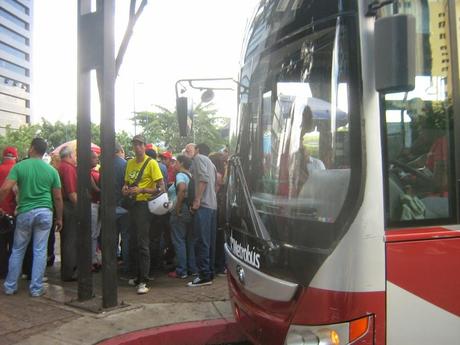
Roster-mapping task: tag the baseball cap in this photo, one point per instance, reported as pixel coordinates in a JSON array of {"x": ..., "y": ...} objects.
[
  {"x": 151, "y": 147},
  {"x": 10, "y": 151},
  {"x": 140, "y": 138},
  {"x": 166, "y": 154}
]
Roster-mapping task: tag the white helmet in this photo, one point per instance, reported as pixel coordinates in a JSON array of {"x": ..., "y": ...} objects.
[{"x": 160, "y": 204}]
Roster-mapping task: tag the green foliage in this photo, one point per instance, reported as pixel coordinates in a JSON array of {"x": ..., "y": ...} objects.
[
  {"x": 55, "y": 134},
  {"x": 207, "y": 128},
  {"x": 19, "y": 138},
  {"x": 59, "y": 132},
  {"x": 161, "y": 128},
  {"x": 439, "y": 115},
  {"x": 124, "y": 139}
]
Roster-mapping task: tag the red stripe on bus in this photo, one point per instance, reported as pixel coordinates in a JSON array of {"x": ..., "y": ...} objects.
[
  {"x": 196, "y": 332},
  {"x": 318, "y": 306},
  {"x": 429, "y": 269},
  {"x": 264, "y": 321},
  {"x": 415, "y": 234}
]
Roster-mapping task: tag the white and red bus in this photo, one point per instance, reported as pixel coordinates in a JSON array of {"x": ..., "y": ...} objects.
[{"x": 343, "y": 196}]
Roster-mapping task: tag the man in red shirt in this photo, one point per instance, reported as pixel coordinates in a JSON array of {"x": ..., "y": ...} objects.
[
  {"x": 168, "y": 160},
  {"x": 95, "y": 202},
  {"x": 8, "y": 205},
  {"x": 68, "y": 174}
]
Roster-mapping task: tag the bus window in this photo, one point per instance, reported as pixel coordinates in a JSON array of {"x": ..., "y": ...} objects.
[
  {"x": 419, "y": 132},
  {"x": 303, "y": 170}
]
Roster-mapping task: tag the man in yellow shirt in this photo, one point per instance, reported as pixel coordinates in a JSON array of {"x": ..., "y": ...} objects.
[{"x": 150, "y": 183}]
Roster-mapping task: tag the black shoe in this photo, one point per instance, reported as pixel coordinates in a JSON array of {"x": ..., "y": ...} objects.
[
  {"x": 50, "y": 261},
  {"x": 199, "y": 282},
  {"x": 72, "y": 278}
]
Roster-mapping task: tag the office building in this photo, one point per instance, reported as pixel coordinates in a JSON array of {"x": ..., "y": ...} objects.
[{"x": 15, "y": 62}]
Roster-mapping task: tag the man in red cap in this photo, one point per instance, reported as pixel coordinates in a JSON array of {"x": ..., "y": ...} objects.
[
  {"x": 167, "y": 159},
  {"x": 8, "y": 205}
]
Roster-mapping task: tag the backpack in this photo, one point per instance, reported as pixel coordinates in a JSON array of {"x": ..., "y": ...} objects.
[{"x": 190, "y": 189}]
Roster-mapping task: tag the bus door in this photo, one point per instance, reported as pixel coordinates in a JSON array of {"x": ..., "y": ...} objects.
[{"x": 423, "y": 232}]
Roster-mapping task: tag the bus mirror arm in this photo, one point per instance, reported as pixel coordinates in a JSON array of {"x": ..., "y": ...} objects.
[
  {"x": 376, "y": 5},
  {"x": 184, "y": 104}
]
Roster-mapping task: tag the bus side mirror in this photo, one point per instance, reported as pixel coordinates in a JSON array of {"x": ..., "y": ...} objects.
[
  {"x": 184, "y": 115},
  {"x": 394, "y": 49}
]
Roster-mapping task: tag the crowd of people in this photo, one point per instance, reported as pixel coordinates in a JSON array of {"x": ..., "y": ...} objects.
[{"x": 185, "y": 241}]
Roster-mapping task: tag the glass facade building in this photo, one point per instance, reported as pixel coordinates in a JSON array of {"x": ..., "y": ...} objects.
[{"x": 15, "y": 62}]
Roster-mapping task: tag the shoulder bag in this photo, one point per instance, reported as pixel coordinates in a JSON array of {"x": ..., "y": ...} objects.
[{"x": 128, "y": 202}]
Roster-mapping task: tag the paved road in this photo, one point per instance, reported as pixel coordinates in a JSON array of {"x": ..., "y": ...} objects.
[{"x": 54, "y": 319}]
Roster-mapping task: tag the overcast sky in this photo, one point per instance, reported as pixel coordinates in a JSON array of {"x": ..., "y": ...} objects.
[{"x": 173, "y": 39}]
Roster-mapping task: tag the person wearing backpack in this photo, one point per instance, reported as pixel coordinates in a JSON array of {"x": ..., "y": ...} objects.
[
  {"x": 143, "y": 179},
  {"x": 204, "y": 208},
  {"x": 181, "y": 220}
]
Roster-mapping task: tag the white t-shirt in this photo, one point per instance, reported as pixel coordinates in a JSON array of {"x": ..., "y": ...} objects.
[{"x": 315, "y": 164}]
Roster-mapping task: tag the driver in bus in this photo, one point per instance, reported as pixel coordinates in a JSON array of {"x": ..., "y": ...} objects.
[
  {"x": 313, "y": 163},
  {"x": 302, "y": 163}
]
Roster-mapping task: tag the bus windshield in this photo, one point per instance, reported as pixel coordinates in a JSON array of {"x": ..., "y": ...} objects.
[{"x": 296, "y": 128}]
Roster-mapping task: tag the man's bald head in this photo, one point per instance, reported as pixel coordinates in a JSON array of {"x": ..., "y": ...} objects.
[{"x": 190, "y": 150}]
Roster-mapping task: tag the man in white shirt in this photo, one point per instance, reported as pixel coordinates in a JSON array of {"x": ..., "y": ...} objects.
[{"x": 314, "y": 163}]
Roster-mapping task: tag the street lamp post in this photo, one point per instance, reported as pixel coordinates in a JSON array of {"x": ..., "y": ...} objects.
[{"x": 134, "y": 104}]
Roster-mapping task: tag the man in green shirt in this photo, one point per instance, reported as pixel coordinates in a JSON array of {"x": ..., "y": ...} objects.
[{"x": 38, "y": 185}]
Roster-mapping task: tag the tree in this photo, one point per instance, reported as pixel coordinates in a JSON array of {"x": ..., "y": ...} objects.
[
  {"x": 55, "y": 134},
  {"x": 161, "y": 128},
  {"x": 19, "y": 138},
  {"x": 207, "y": 127},
  {"x": 124, "y": 139}
]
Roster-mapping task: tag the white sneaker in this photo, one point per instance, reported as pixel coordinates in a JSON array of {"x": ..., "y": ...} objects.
[{"x": 142, "y": 289}]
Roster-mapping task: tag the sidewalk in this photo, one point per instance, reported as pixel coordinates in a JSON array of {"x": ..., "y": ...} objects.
[{"x": 51, "y": 320}]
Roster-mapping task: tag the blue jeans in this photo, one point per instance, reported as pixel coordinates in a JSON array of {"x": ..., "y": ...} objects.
[
  {"x": 205, "y": 236},
  {"x": 183, "y": 240},
  {"x": 95, "y": 231},
  {"x": 37, "y": 222}
]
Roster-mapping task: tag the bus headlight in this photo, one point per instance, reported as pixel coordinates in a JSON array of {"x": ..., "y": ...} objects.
[
  {"x": 301, "y": 338},
  {"x": 307, "y": 337},
  {"x": 336, "y": 334}
]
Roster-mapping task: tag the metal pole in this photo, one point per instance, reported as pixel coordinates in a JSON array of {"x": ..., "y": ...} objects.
[
  {"x": 96, "y": 50},
  {"x": 134, "y": 107},
  {"x": 109, "y": 233},
  {"x": 85, "y": 281}
]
